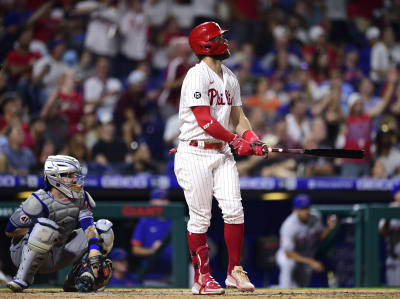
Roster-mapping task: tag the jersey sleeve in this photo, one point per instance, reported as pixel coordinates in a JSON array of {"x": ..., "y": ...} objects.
[
  {"x": 195, "y": 89},
  {"x": 19, "y": 220},
  {"x": 139, "y": 234}
]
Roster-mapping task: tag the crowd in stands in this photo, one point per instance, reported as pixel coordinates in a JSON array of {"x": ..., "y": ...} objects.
[{"x": 100, "y": 80}]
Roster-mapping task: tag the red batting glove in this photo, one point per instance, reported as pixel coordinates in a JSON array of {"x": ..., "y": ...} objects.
[
  {"x": 241, "y": 146},
  {"x": 260, "y": 148}
]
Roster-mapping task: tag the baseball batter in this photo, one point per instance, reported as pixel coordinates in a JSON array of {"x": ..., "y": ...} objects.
[
  {"x": 204, "y": 165},
  {"x": 300, "y": 236},
  {"x": 390, "y": 229},
  {"x": 54, "y": 228}
]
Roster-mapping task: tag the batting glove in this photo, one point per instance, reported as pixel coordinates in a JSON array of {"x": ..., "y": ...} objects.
[
  {"x": 259, "y": 148},
  {"x": 241, "y": 146}
]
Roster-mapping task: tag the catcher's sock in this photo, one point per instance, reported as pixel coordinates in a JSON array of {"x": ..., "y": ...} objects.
[
  {"x": 233, "y": 238},
  {"x": 196, "y": 241}
]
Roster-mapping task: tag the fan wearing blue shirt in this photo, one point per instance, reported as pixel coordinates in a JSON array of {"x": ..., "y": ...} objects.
[{"x": 148, "y": 236}]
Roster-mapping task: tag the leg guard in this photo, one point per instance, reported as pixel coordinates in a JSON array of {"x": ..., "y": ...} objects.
[{"x": 40, "y": 242}]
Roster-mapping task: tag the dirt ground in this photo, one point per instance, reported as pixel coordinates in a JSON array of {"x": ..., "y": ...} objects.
[{"x": 185, "y": 293}]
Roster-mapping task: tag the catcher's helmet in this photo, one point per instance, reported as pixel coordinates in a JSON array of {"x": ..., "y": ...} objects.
[
  {"x": 56, "y": 166},
  {"x": 199, "y": 39}
]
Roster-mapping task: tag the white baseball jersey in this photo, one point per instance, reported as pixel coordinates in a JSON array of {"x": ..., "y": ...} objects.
[
  {"x": 301, "y": 237},
  {"x": 203, "y": 87},
  {"x": 207, "y": 173}
]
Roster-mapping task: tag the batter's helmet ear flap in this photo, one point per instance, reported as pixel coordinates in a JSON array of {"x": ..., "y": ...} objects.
[{"x": 200, "y": 39}]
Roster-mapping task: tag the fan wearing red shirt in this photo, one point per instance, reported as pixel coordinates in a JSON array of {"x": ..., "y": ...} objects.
[
  {"x": 20, "y": 60},
  {"x": 359, "y": 129}
]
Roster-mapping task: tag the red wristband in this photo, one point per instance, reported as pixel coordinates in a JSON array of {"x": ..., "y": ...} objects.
[{"x": 250, "y": 136}]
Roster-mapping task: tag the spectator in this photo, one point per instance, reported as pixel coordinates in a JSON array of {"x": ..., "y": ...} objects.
[
  {"x": 386, "y": 150},
  {"x": 359, "y": 129},
  {"x": 319, "y": 45},
  {"x": 56, "y": 126},
  {"x": 183, "y": 12},
  {"x": 133, "y": 28},
  {"x": 101, "y": 92},
  {"x": 300, "y": 235},
  {"x": 47, "y": 149},
  {"x": 281, "y": 45},
  {"x": 69, "y": 99},
  {"x": 330, "y": 109},
  {"x": 318, "y": 138},
  {"x": 11, "y": 110},
  {"x": 14, "y": 158},
  {"x": 379, "y": 59},
  {"x": 20, "y": 60},
  {"x": 178, "y": 65},
  {"x": 389, "y": 229},
  {"x": 121, "y": 276},
  {"x": 156, "y": 12},
  {"x": 298, "y": 124},
  {"x": 110, "y": 153},
  {"x": 261, "y": 100},
  {"x": 148, "y": 237},
  {"x": 49, "y": 69},
  {"x": 101, "y": 32},
  {"x": 133, "y": 100},
  {"x": 352, "y": 72},
  {"x": 35, "y": 137}
]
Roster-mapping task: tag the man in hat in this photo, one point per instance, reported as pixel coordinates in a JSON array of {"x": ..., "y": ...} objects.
[
  {"x": 300, "y": 235},
  {"x": 121, "y": 277},
  {"x": 148, "y": 236}
]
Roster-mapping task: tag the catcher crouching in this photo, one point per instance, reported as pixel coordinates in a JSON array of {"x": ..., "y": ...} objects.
[{"x": 54, "y": 228}]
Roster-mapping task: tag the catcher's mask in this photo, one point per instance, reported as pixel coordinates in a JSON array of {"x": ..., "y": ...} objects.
[{"x": 65, "y": 174}]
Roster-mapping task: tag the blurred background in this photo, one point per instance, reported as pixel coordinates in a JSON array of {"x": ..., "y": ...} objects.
[{"x": 100, "y": 81}]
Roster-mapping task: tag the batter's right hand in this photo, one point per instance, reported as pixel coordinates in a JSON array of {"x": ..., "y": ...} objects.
[
  {"x": 241, "y": 146},
  {"x": 260, "y": 148}
]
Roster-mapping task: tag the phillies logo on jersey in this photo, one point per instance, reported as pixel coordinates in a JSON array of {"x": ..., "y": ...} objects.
[{"x": 214, "y": 95}]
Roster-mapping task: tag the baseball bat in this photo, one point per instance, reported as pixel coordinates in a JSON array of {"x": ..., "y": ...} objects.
[{"x": 319, "y": 152}]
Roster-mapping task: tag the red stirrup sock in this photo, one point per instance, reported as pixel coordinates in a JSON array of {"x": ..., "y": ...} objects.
[
  {"x": 196, "y": 241},
  {"x": 233, "y": 238}
]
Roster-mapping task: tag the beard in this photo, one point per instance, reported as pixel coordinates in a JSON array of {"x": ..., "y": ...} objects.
[{"x": 224, "y": 56}]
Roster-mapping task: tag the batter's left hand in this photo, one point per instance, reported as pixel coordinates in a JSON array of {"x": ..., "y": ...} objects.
[{"x": 260, "y": 148}]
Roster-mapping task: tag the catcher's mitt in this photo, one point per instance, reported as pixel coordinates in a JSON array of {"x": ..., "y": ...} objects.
[{"x": 95, "y": 274}]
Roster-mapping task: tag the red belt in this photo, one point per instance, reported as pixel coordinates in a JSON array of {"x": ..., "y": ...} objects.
[{"x": 207, "y": 145}]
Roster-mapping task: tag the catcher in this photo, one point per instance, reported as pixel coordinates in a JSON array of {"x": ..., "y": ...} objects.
[{"x": 54, "y": 228}]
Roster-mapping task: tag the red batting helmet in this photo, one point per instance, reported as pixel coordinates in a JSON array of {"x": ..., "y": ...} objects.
[{"x": 199, "y": 39}]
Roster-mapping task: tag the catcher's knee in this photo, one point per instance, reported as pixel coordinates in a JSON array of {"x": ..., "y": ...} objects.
[
  {"x": 104, "y": 228},
  {"x": 43, "y": 235}
]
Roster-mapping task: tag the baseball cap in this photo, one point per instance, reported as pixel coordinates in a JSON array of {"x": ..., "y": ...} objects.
[
  {"x": 353, "y": 98},
  {"x": 315, "y": 32},
  {"x": 280, "y": 31},
  {"x": 158, "y": 193},
  {"x": 118, "y": 254},
  {"x": 372, "y": 32},
  {"x": 136, "y": 77},
  {"x": 301, "y": 201}
]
